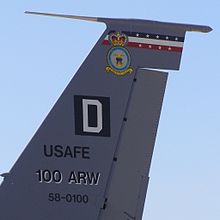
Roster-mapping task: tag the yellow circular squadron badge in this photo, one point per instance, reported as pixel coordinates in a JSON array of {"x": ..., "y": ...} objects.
[{"x": 118, "y": 57}]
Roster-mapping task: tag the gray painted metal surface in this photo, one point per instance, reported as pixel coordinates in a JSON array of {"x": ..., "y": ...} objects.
[
  {"x": 90, "y": 158},
  {"x": 129, "y": 176}
]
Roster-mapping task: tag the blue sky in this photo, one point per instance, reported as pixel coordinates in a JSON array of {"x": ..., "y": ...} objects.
[{"x": 39, "y": 56}]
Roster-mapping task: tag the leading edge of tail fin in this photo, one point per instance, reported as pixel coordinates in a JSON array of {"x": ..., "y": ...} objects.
[{"x": 100, "y": 134}]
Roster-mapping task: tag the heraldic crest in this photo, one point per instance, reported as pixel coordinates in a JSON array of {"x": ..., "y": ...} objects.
[{"x": 118, "y": 57}]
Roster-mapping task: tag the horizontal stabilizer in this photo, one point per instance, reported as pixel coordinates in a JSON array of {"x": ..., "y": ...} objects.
[
  {"x": 151, "y": 44},
  {"x": 63, "y": 16},
  {"x": 186, "y": 27}
]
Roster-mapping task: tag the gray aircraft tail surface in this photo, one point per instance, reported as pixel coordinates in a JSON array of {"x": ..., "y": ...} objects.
[{"x": 90, "y": 158}]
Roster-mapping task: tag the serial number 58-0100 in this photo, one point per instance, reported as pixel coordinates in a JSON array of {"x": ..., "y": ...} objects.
[{"x": 70, "y": 198}]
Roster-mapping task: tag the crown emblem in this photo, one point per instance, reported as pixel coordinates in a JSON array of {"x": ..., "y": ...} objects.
[
  {"x": 118, "y": 57},
  {"x": 118, "y": 39}
]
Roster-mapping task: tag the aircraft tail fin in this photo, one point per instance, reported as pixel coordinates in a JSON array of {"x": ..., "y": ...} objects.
[{"x": 90, "y": 158}]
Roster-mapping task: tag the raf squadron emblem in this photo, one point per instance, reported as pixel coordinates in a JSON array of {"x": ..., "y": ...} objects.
[{"x": 118, "y": 57}]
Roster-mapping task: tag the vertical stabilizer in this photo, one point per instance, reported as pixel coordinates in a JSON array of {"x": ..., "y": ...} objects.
[{"x": 90, "y": 158}]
